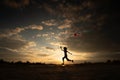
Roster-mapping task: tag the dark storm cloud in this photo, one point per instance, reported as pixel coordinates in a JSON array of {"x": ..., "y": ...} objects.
[
  {"x": 16, "y": 3},
  {"x": 95, "y": 21},
  {"x": 98, "y": 28}
]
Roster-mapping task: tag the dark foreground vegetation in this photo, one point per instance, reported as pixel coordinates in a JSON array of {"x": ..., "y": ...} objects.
[{"x": 109, "y": 70}]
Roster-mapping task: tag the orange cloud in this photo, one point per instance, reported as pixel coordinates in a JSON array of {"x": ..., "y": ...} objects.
[
  {"x": 35, "y": 27},
  {"x": 51, "y": 22},
  {"x": 66, "y": 24}
]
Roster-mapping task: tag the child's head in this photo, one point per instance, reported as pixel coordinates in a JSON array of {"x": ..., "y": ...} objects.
[{"x": 65, "y": 48}]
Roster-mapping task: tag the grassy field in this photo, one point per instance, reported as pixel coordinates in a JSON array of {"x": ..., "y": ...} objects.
[{"x": 57, "y": 72}]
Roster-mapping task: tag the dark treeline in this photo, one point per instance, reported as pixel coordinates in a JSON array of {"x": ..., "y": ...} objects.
[
  {"x": 39, "y": 63},
  {"x": 107, "y": 62},
  {"x": 20, "y": 62}
]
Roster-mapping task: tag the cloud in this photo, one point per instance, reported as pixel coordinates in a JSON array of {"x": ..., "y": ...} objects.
[
  {"x": 12, "y": 43},
  {"x": 15, "y": 41},
  {"x": 18, "y": 49},
  {"x": 103, "y": 56},
  {"x": 14, "y": 46},
  {"x": 17, "y": 30},
  {"x": 12, "y": 55},
  {"x": 92, "y": 42},
  {"x": 34, "y": 52},
  {"x": 96, "y": 21},
  {"x": 90, "y": 21},
  {"x": 34, "y": 27},
  {"x": 37, "y": 36},
  {"x": 68, "y": 9},
  {"x": 42, "y": 55},
  {"x": 30, "y": 44},
  {"x": 16, "y": 3},
  {"x": 54, "y": 43},
  {"x": 6, "y": 52},
  {"x": 10, "y": 32},
  {"x": 49, "y": 48},
  {"x": 62, "y": 24},
  {"x": 57, "y": 44},
  {"x": 66, "y": 24},
  {"x": 45, "y": 35},
  {"x": 49, "y": 9},
  {"x": 51, "y": 22},
  {"x": 64, "y": 9}
]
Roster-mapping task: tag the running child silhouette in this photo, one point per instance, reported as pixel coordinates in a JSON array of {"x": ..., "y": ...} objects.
[{"x": 65, "y": 54}]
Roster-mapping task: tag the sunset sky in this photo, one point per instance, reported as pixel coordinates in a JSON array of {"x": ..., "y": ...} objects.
[{"x": 34, "y": 30}]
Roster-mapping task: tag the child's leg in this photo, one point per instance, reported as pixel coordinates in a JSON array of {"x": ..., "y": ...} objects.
[
  {"x": 68, "y": 59},
  {"x": 63, "y": 60}
]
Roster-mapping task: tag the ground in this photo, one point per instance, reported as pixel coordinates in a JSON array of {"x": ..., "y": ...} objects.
[{"x": 58, "y": 72}]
